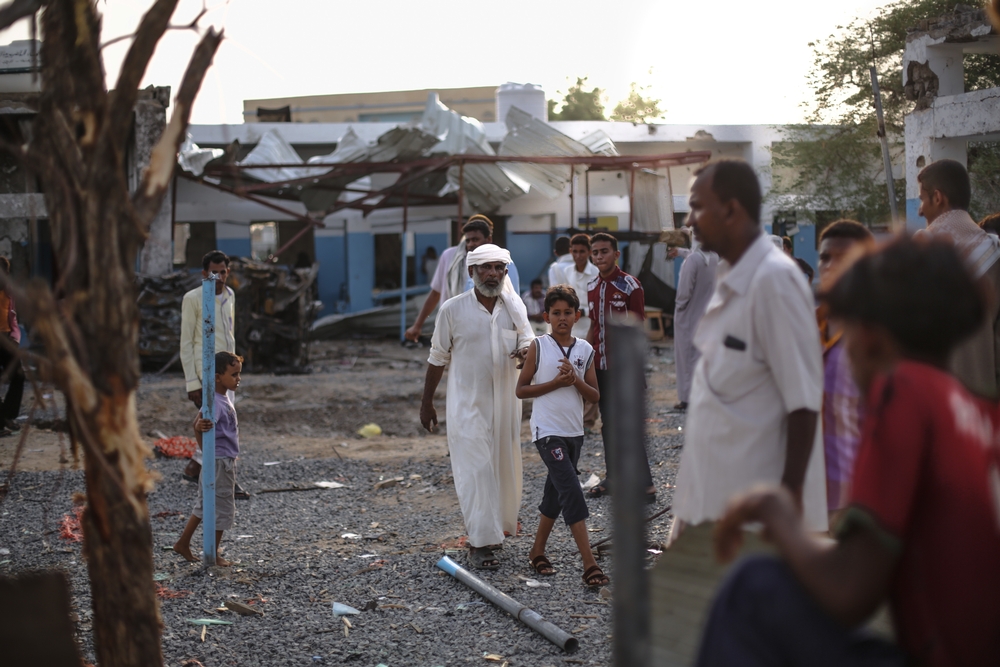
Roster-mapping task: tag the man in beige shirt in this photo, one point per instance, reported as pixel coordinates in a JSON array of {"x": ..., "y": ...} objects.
[{"x": 945, "y": 194}]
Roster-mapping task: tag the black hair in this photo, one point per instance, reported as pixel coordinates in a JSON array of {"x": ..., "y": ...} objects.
[
  {"x": 562, "y": 245},
  {"x": 479, "y": 223},
  {"x": 580, "y": 239},
  {"x": 847, "y": 229},
  {"x": 214, "y": 257},
  {"x": 561, "y": 293},
  {"x": 537, "y": 281},
  {"x": 735, "y": 179},
  {"x": 919, "y": 290},
  {"x": 224, "y": 360},
  {"x": 786, "y": 242},
  {"x": 991, "y": 223},
  {"x": 607, "y": 238},
  {"x": 951, "y": 179}
]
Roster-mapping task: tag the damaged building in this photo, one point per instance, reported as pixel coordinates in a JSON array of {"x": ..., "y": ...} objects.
[
  {"x": 247, "y": 190},
  {"x": 946, "y": 118}
]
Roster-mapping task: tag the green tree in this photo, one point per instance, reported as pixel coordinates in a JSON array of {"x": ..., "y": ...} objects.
[
  {"x": 834, "y": 162},
  {"x": 578, "y": 103},
  {"x": 638, "y": 107}
]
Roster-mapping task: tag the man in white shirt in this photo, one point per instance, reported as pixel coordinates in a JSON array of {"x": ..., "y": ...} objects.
[
  {"x": 477, "y": 335},
  {"x": 563, "y": 261},
  {"x": 758, "y": 386},
  {"x": 451, "y": 277},
  {"x": 578, "y": 275},
  {"x": 216, "y": 262}
]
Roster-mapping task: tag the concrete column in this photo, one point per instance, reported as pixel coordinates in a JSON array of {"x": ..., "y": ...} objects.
[{"x": 157, "y": 255}]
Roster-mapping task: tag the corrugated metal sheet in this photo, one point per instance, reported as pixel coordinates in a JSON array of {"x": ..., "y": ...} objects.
[
  {"x": 527, "y": 136},
  {"x": 600, "y": 143},
  {"x": 653, "y": 203}
]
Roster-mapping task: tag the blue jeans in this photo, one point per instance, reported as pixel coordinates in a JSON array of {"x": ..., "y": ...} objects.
[{"x": 763, "y": 616}]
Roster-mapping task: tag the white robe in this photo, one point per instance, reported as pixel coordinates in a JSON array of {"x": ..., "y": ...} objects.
[
  {"x": 694, "y": 291},
  {"x": 483, "y": 414}
]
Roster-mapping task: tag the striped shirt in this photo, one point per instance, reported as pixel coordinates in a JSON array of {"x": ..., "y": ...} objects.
[
  {"x": 611, "y": 299},
  {"x": 843, "y": 409}
]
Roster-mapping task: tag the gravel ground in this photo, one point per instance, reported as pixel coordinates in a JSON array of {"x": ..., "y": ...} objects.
[{"x": 293, "y": 561}]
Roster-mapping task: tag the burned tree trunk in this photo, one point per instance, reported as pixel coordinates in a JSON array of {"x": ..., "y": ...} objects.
[{"x": 89, "y": 322}]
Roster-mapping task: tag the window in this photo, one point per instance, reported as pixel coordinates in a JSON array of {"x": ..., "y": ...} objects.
[{"x": 263, "y": 240}]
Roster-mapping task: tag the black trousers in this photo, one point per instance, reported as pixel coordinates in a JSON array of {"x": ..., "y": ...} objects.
[
  {"x": 607, "y": 421},
  {"x": 10, "y": 407}
]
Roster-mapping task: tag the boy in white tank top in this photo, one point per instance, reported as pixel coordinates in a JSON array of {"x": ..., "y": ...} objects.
[{"x": 559, "y": 374}]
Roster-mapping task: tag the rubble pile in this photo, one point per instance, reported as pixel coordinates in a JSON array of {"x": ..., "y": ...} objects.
[
  {"x": 160, "y": 315},
  {"x": 275, "y": 308}
]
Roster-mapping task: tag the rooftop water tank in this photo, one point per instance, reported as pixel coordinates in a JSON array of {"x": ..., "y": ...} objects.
[{"x": 525, "y": 96}]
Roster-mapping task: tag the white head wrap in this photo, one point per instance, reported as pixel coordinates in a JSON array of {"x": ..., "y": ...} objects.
[{"x": 489, "y": 252}]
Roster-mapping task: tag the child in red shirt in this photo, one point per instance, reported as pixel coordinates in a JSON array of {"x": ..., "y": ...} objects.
[{"x": 923, "y": 524}]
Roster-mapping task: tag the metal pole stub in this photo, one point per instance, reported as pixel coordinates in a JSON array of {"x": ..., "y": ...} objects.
[
  {"x": 208, "y": 412},
  {"x": 529, "y": 617},
  {"x": 627, "y": 346}
]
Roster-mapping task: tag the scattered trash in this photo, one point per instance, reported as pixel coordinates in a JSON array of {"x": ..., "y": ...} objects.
[
  {"x": 166, "y": 513},
  {"x": 374, "y": 524},
  {"x": 370, "y": 431},
  {"x": 343, "y": 610},
  {"x": 343, "y": 444},
  {"x": 492, "y": 657},
  {"x": 605, "y": 593},
  {"x": 533, "y": 583},
  {"x": 4, "y": 552},
  {"x": 167, "y": 594},
  {"x": 179, "y": 447},
  {"x": 655, "y": 552},
  {"x": 69, "y": 526},
  {"x": 469, "y": 605},
  {"x": 415, "y": 477},
  {"x": 387, "y": 483},
  {"x": 271, "y": 463},
  {"x": 161, "y": 576},
  {"x": 317, "y": 658},
  {"x": 244, "y": 537},
  {"x": 591, "y": 482},
  {"x": 329, "y": 485},
  {"x": 208, "y": 621},
  {"x": 242, "y": 609},
  {"x": 351, "y": 536}
]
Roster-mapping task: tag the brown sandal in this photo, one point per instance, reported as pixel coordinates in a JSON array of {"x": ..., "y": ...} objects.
[
  {"x": 594, "y": 577},
  {"x": 542, "y": 566}
]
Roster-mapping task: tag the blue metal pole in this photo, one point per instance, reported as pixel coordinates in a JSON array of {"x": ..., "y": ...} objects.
[
  {"x": 208, "y": 412},
  {"x": 402, "y": 279}
]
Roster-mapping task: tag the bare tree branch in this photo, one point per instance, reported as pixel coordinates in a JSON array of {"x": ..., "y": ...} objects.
[
  {"x": 193, "y": 25},
  {"x": 151, "y": 28},
  {"x": 156, "y": 179},
  {"x": 17, "y": 10}
]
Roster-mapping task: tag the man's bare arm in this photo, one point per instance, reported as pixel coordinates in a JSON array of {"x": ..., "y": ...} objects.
[
  {"x": 849, "y": 579},
  {"x": 433, "y": 298},
  {"x": 428, "y": 415},
  {"x": 801, "y": 431}
]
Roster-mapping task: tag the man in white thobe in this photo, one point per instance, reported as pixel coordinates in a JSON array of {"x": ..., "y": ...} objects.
[
  {"x": 695, "y": 286},
  {"x": 758, "y": 386},
  {"x": 478, "y": 334}
]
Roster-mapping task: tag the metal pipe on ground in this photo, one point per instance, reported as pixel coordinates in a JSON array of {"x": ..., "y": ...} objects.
[
  {"x": 627, "y": 400},
  {"x": 529, "y": 617}
]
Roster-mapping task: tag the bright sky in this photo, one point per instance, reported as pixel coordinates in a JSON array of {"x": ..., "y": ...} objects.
[{"x": 713, "y": 62}]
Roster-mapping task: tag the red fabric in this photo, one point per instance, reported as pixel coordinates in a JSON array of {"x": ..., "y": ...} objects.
[
  {"x": 610, "y": 299},
  {"x": 929, "y": 456}
]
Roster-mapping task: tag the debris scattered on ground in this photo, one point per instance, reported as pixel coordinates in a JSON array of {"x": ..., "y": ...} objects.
[
  {"x": 178, "y": 447},
  {"x": 159, "y": 303},
  {"x": 242, "y": 609},
  {"x": 69, "y": 527},
  {"x": 330, "y": 485},
  {"x": 370, "y": 431},
  {"x": 340, "y": 609},
  {"x": 387, "y": 483},
  {"x": 167, "y": 594},
  {"x": 208, "y": 621}
]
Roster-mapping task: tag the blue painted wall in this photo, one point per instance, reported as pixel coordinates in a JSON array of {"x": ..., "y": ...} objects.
[
  {"x": 804, "y": 245},
  {"x": 913, "y": 219},
  {"x": 532, "y": 253},
  {"x": 361, "y": 268},
  {"x": 235, "y": 247},
  {"x": 332, "y": 273},
  {"x": 421, "y": 243}
]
